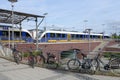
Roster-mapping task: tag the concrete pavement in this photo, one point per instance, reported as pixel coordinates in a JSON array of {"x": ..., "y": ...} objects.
[{"x": 12, "y": 71}]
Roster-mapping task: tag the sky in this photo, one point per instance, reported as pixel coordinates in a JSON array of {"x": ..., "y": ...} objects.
[{"x": 77, "y": 15}]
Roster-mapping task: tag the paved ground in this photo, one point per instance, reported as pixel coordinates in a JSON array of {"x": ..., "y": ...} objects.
[{"x": 12, "y": 71}]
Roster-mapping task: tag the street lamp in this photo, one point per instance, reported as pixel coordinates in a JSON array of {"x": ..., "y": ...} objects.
[
  {"x": 103, "y": 31},
  {"x": 89, "y": 31},
  {"x": 45, "y": 23},
  {"x": 85, "y": 21},
  {"x": 45, "y": 20},
  {"x": 12, "y": 5},
  {"x": 37, "y": 25}
]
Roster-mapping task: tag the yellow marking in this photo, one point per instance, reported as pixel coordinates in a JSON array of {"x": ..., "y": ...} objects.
[
  {"x": 52, "y": 41},
  {"x": 6, "y": 41}
]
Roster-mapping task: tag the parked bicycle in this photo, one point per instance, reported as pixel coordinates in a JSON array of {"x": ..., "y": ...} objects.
[
  {"x": 17, "y": 56},
  {"x": 31, "y": 59},
  {"x": 112, "y": 64},
  {"x": 81, "y": 64},
  {"x": 49, "y": 61},
  {"x": 94, "y": 64}
]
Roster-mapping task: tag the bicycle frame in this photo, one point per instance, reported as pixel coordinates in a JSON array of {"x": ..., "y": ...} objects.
[
  {"x": 84, "y": 63},
  {"x": 105, "y": 65}
]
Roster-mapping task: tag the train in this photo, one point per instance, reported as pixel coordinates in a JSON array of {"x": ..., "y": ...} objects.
[
  {"x": 9, "y": 33},
  {"x": 65, "y": 36},
  {"x": 23, "y": 35}
]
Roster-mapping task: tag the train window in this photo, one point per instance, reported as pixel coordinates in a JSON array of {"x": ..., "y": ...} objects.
[
  {"x": 98, "y": 36},
  {"x": 52, "y": 35},
  {"x": 58, "y": 35},
  {"x": 17, "y": 34},
  {"x": 72, "y": 35},
  {"x": 81, "y": 36},
  {"x": 77, "y": 36},
  {"x": 5, "y": 33},
  {"x": 91, "y": 36},
  {"x": 63, "y": 35}
]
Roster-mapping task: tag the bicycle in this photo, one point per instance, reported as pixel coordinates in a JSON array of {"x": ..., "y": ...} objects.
[
  {"x": 17, "y": 56},
  {"x": 31, "y": 60},
  {"x": 49, "y": 61},
  {"x": 84, "y": 64},
  {"x": 113, "y": 64}
]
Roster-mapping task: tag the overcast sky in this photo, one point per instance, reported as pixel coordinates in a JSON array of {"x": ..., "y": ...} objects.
[{"x": 72, "y": 14}]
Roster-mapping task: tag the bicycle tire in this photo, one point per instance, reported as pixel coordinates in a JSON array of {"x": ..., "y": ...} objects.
[
  {"x": 31, "y": 63},
  {"x": 73, "y": 64},
  {"x": 17, "y": 60},
  {"x": 95, "y": 66},
  {"x": 20, "y": 56},
  {"x": 115, "y": 66},
  {"x": 42, "y": 59},
  {"x": 52, "y": 63}
]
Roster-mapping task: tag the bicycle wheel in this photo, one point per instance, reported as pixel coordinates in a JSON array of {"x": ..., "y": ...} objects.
[
  {"x": 16, "y": 58},
  {"x": 73, "y": 64},
  {"x": 41, "y": 59},
  {"x": 31, "y": 62},
  {"x": 115, "y": 66},
  {"x": 51, "y": 62},
  {"x": 95, "y": 65},
  {"x": 20, "y": 56}
]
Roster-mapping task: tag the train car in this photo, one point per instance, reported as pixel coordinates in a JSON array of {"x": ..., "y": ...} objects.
[
  {"x": 53, "y": 36},
  {"x": 6, "y": 34}
]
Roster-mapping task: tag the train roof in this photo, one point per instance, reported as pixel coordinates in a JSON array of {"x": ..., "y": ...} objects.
[{"x": 70, "y": 32}]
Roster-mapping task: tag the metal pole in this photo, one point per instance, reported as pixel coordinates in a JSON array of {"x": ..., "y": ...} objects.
[
  {"x": 37, "y": 25},
  {"x": 9, "y": 36},
  {"x": 12, "y": 1},
  {"x": 89, "y": 42},
  {"x": 12, "y": 24},
  {"x": 45, "y": 24},
  {"x": 85, "y": 26},
  {"x": 20, "y": 32},
  {"x": 36, "y": 34},
  {"x": 89, "y": 30}
]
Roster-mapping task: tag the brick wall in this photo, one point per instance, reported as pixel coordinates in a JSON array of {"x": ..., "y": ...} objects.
[{"x": 56, "y": 48}]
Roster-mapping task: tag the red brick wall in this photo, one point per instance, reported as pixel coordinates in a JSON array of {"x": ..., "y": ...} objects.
[
  {"x": 112, "y": 49},
  {"x": 56, "y": 48}
]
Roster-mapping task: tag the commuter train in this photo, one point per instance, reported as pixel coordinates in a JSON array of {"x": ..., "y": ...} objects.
[
  {"x": 8, "y": 33},
  {"x": 23, "y": 35},
  {"x": 54, "y": 36}
]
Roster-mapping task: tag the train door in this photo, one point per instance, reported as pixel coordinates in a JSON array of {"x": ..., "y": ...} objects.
[{"x": 68, "y": 37}]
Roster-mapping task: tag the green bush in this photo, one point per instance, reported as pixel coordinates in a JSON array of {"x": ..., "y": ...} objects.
[
  {"x": 107, "y": 54},
  {"x": 36, "y": 53},
  {"x": 25, "y": 54}
]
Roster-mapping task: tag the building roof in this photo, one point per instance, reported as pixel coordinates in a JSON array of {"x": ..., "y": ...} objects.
[{"x": 6, "y": 16}]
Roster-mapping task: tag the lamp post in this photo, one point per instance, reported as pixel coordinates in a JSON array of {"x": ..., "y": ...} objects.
[
  {"x": 37, "y": 25},
  {"x": 45, "y": 20},
  {"x": 103, "y": 31},
  {"x": 85, "y": 21},
  {"x": 45, "y": 23},
  {"x": 89, "y": 31},
  {"x": 12, "y": 5}
]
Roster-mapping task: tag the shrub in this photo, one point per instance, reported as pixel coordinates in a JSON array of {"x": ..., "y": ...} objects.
[
  {"x": 25, "y": 54},
  {"x": 36, "y": 53},
  {"x": 107, "y": 54}
]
